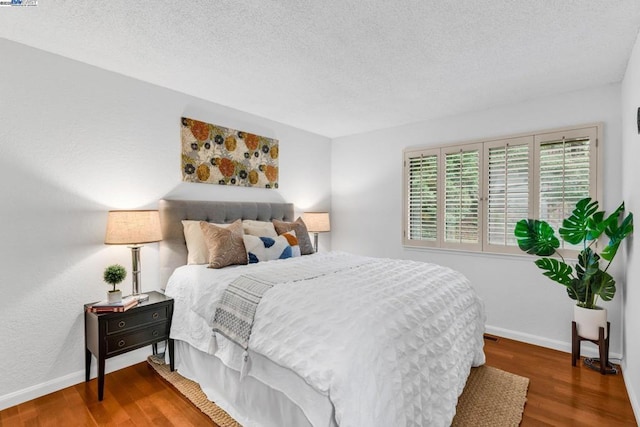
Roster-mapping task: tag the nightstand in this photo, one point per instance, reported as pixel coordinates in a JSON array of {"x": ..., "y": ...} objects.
[{"x": 111, "y": 334}]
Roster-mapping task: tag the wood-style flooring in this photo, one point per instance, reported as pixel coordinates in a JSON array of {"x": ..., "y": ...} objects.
[{"x": 559, "y": 395}]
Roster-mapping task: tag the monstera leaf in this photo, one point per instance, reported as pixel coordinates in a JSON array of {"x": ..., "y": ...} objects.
[
  {"x": 556, "y": 270},
  {"x": 536, "y": 237},
  {"x": 577, "y": 289},
  {"x": 576, "y": 228},
  {"x": 588, "y": 264},
  {"x": 596, "y": 225},
  {"x": 603, "y": 285},
  {"x": 617, "y": 233},
  {"x": 612, "y": 220}
]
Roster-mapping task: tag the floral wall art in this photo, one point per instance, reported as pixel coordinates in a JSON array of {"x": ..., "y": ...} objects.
[{"x": 214, "y": 154}]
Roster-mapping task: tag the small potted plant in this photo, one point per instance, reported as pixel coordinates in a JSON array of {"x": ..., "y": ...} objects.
[
  {"x": 589, "y": 280},
  {"x": 113, "y": 275}
]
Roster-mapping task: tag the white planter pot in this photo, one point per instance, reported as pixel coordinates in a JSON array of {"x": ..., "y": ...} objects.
[
  {"x": 114, "y": 296},
  {"x": 588, "y": 321}
]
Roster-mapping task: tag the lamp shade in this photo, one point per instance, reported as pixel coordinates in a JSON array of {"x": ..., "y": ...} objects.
[
  {"x": 132, "y": 227},
  {"x": 317, "y": 222}
]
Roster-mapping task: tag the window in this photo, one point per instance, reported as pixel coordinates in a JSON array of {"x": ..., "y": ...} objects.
[{"x": 470, "y": 196}]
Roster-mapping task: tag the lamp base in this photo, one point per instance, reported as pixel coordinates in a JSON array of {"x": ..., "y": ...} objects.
[{"x": 141, "y": 297}]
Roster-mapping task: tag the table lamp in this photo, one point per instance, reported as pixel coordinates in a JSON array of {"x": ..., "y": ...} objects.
[
  {"x": 316, "y": 222},
  {"x": 133, "y": 228}
]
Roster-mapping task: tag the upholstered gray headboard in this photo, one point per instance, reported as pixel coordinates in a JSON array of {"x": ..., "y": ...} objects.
[{"x": 173, "y": 248}]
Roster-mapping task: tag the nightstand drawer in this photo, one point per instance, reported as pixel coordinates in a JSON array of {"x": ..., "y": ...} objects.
[
  {"x": 123, "y": 342},
  {"x": 137, "y": 318}
]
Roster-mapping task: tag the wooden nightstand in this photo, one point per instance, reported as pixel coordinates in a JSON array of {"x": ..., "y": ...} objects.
[{"x": 110, "y": 334}]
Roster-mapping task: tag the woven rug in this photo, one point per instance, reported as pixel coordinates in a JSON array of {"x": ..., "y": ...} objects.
[{"x": 491, "y": 398}]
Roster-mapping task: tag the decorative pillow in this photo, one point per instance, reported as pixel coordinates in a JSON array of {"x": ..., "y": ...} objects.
[
  {"x": 197, "y": 251},
  {"x": 259, "y": 228},
  {"x": 293, "y": 242},
  {"x": 266, "y": 248},
  {"x": 302, "y": 234},
  {"x": 225, "y": 245}
]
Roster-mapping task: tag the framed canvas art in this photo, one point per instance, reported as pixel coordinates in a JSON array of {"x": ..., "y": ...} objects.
[{"x": 215, "y": 154}]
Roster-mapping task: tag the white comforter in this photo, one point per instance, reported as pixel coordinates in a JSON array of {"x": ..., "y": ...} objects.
[{"x": 390, "y": 342}]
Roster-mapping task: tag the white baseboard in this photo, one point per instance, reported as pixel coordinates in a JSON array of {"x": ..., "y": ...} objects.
[
  {"x": 35, "y": 391},
  {"x": 631, "y": 392},
  {"x": 587, "y": 351}
]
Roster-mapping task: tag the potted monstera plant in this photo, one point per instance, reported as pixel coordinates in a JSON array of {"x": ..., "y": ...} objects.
[{"x": 588, "y": 280}]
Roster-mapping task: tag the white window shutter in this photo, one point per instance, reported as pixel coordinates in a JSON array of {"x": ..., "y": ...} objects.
[
  {"x": 462, "y": 215},
  {"x": 421, "y": 187},
  {"x": 508, "y": 165},
  {"x": 566, "y": 165}
]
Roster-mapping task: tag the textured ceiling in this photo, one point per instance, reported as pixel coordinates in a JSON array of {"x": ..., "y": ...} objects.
[{"x": 338, "y": 67}]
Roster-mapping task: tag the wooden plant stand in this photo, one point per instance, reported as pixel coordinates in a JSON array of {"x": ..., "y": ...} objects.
[{"x": 602, "y": 364}]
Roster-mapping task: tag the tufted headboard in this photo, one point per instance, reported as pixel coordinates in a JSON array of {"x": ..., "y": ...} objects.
[{"x": 173, "y": 248}]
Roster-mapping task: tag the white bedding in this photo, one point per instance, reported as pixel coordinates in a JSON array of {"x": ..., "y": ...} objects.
[{"x": 387, "y": 342}]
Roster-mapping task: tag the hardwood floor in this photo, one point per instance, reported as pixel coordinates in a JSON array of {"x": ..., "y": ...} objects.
[
  {"x": 134, "y": 396},
  {"x": 559, "y": 395}
]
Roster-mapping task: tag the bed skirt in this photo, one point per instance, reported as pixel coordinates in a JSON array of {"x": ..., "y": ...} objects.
[{"x": 249, "y": 401}]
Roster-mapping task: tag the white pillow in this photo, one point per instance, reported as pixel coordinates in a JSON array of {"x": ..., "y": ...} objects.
[
  {"x": 266, "y": 248},
  {"x": 259, "y": 228},
  {"x": 197, "y": 250}
]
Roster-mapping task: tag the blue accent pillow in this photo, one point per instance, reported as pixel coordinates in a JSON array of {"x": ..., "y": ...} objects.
[{"x": 263, "y": 248}]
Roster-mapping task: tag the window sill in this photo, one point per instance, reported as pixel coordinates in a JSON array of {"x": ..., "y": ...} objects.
[{"x": 492, "y": 255}]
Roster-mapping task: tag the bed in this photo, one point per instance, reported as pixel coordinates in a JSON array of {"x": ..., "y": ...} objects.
[{"x": 341, "y": 340}]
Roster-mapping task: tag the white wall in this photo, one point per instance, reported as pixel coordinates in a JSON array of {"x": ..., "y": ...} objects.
[
  {"x": 76, "y": 141},
  {"x": 631, "y": 191},
  {"x": 520, "y": 302}
]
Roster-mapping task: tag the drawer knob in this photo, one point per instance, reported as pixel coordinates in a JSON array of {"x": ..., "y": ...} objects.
[
  {"x": 156, "y": 333},
  {"x": 155, "y": 315},
  {"x": 121, "y": 343},
  {"x": 121, "y": 324}
]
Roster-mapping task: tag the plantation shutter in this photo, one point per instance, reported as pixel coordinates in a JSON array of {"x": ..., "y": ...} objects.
[
  {"x": 508, "y": 168},
  {"x": 470, "y": 196},
  {"x": 422, "y": 197},
  {"x": 462, "y": 213},
  {"x": 567, "y": 165}
]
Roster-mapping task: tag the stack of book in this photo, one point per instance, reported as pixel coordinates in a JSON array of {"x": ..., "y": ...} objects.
[{"x": 113, "y": 307}]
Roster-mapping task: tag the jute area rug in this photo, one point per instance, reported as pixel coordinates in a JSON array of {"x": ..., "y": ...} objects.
[{"x": 491, "y": 398}]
